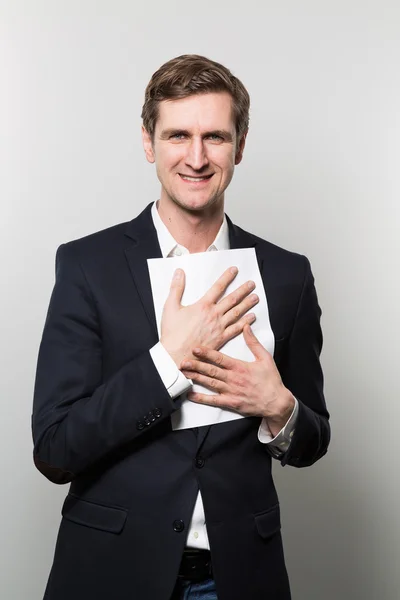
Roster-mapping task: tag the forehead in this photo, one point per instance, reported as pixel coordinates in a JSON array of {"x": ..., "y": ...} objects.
[{"x": 203, "y": 112}]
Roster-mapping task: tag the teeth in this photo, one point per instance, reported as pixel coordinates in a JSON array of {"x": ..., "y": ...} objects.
[{"x": 194, "y": 178}]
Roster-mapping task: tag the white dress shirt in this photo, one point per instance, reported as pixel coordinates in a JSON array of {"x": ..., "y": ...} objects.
[{"x": 176, "y": 383}]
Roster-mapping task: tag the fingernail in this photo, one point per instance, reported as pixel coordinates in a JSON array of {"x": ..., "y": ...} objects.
[
  {"x": 251, "y": 316},
  {"x": 234, "y": 270},
  {"x": 251, "y": 285},
  {"x": 187, "y": 365},
  {"x": 178, "y": 274},
  {"x": 197, "y": 351}
]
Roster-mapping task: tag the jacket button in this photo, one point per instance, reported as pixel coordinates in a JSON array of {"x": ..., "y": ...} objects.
[
  {"x": 139, "y": 425},
  {"x": 147, "y": 421},
  {"x": 178, "y": 525},
  {"x": 199, "y": 462},
  {"x": 151, "y": 416},
  {"x": 157, "y": 412}
]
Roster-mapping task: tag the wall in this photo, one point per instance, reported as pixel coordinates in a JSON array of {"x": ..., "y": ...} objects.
[{"x": 320, "y": 176}]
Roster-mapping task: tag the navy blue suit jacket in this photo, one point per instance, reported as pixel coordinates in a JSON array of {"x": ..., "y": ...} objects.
[{"x": 101, "y": 422}]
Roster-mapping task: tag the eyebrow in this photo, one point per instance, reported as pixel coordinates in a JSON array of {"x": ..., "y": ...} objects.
[{"x": 223, "y": 133}]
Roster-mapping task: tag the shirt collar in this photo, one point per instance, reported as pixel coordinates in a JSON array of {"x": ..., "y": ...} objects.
[{"x": 168, "y": 244}]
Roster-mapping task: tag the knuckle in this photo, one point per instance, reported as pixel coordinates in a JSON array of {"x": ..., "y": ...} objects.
[
  {"x": 203, "y": 306},
  {"x": 213, "y": 372},
  {"x": 236, "y": 403},
  {"x": 219, "y": 360},
  {"x": 238, "y": 327},
  {"x": 219, "y": 341},
  {"x": 211, "y": 313}
]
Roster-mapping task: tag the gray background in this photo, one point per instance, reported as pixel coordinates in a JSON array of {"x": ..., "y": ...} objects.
[{"x": 320, "y": 176}]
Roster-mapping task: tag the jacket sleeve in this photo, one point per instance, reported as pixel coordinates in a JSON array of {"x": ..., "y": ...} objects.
[
  {"x": 77, "y": 417},
  {"x": 301, "y": 373}
]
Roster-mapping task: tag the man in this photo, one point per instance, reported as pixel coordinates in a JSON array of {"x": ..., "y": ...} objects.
[{"x": 147, "y": 504}]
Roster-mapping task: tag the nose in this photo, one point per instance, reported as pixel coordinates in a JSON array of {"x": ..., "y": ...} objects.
[{"x": 196, "y": 156}]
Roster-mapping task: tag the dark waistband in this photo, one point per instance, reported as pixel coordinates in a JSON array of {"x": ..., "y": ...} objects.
[{"x": 195, "y": 565}]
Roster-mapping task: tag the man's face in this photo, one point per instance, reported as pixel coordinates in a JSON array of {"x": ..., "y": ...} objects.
[{"x": 195, "y": 149}]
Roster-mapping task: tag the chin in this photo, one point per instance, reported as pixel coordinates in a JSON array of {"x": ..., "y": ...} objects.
[{"x": 196, "y": 204}]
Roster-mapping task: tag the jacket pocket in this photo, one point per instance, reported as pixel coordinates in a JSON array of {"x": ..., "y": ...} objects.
[
  {"x": 90, "y": 514},
  {"x": 269, "y": 522}
]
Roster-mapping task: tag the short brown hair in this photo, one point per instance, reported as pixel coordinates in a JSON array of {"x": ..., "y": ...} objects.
[{"x": 191, "y": 74}]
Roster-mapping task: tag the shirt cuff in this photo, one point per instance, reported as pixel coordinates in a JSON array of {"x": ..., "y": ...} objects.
[
  {"x": 281, "y": 441},
  {"x": 173, "y": 379}
]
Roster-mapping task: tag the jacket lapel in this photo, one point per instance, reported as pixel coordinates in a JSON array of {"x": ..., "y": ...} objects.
[
  {"x": 238, "y": 238},
  {"x": 143, "y": 245}
]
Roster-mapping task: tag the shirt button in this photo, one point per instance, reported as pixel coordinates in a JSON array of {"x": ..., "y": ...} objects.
[
  {"x": 178, "y": 525},
  {"x": 199, "y": 462},
  {"x": 178, "y": 252},
  {"x": 195, "y": 535}
]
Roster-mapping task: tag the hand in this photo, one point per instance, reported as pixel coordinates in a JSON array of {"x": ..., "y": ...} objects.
[
  {"x": 250, "y": 388},
  {"x": 208, "y": 322}
]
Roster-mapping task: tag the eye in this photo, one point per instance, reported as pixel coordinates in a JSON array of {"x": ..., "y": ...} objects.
[
  {"x": 177, "y": 136},
  {"x": 214, "y": 137}
]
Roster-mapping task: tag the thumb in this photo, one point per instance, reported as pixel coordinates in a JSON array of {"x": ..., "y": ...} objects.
[
  {"x": 252, "y": 342},
  {"x": 177, "y": 287}
]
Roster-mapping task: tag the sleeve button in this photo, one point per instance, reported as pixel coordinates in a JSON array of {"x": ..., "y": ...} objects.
[{"x": 139, "y": 425}]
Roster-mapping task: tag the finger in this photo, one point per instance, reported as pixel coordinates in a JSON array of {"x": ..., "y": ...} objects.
[
  {"x": 209, "y": 399},
  {"x": 236, "y": 328},
  {"x": 204, "y": 368},
  {"x": 233, "y": 299},
  {"x": 217, "y": 290},
  {"x": 177, "y": 287},
  {"x": 252, "y": 342},
  {"x": 215, "y": 385},
  {"x": 234, "y": 314},
  {"x": 214, "y": 356}
]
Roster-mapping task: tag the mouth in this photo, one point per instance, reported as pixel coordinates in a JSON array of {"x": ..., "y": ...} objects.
[{"x": 190, "y": 179}]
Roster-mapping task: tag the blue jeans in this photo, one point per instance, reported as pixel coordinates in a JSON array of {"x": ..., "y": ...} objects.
[{"x": 205, "y": 590}]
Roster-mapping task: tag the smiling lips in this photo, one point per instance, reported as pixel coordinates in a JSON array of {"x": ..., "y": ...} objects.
[{"x": 190, "y": 179}]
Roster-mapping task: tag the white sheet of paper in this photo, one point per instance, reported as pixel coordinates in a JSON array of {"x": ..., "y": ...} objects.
[{"x": 202, "y": 270}]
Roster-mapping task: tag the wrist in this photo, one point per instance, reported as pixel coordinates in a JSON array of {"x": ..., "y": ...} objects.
[
  {"x": 283, "y": 410},
  {"x": 176, "y": 355}
]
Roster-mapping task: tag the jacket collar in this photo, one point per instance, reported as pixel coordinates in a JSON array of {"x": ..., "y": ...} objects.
[{"x": 142, "y": 228}]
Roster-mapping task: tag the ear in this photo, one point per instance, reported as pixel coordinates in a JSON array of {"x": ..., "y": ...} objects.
[
  {"x": 148, "y": 145},
  {"x": 240, "y": 149}
]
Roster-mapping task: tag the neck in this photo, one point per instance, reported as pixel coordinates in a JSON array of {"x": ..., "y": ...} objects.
[{"x": 195, "y": 230}]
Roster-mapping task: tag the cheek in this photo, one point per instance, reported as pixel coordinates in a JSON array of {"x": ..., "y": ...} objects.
[
  {"x": 168, "y": 159},
  {"x": 225, "y": 161}
]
